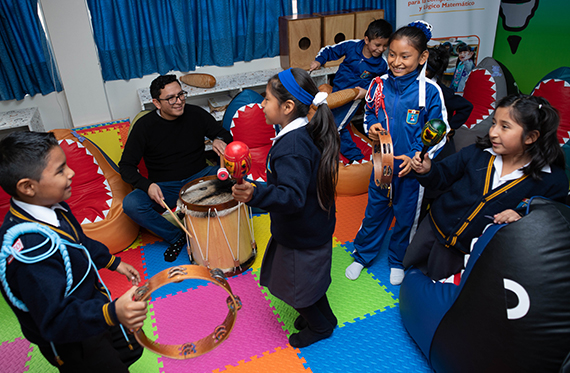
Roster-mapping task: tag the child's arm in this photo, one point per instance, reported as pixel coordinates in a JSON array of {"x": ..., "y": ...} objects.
[
  {"x": 242, "y": 192},
  {"x": 507, "y": 216},
  {"x": 315, "y": 65},
  {"x": 130, "y": 313},
  {"x": 330, "y": 53},
  {"x": 130, "y": 272},
  {"x": 421, "y": 167}
]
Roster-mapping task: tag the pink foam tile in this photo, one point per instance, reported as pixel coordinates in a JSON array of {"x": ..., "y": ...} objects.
[
  {"x": 191, "y": 315},
  {"x": 14, "y": 355}
]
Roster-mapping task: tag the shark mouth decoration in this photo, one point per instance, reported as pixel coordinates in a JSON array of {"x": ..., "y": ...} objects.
[
  {"x": 91, "y": 195},
  {"x": 481, "y": 91},
  {"x": 555, "y": 87}
]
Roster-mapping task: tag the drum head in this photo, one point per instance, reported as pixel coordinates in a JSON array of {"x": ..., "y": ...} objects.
[{"x": 208, "y": 192}]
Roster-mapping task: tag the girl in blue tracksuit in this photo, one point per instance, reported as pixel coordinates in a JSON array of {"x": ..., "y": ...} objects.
[
  {"x": 401, "y": 102},
  {"x": 363, "y": 61}
]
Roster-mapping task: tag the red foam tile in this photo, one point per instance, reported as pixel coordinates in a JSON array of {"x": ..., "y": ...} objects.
[{"x": 118, "y": 283}]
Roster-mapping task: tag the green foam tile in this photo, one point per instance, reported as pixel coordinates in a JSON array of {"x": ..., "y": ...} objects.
[{"x": 10, "y": 329}]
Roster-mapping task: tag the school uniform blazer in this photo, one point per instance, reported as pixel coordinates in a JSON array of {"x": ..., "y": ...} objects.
[
  {"x": 404, "y": 118},
  {"x": 355, "y": 70},
  {"x": 86, "y": 312},
  {"x": 460, "y": 214},
  {"x": 290, "y": 195}
]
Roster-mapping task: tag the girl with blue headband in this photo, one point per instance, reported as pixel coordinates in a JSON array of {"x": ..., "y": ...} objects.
[
  {"x": 400, "y": 102},
  {"x": 302, "y": 171}
]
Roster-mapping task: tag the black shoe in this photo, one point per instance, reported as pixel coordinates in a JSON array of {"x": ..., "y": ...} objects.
[
  {"x": 300, "y": 323},
  {"x": 307, "y": 337},
  {"x": 173, "y": 250}
]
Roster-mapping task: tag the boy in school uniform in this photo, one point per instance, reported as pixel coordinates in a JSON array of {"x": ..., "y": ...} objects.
[{"x": 48, "y": 266}]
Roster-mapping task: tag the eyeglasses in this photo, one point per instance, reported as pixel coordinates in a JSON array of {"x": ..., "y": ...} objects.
[{"x": 172, "y": 100}]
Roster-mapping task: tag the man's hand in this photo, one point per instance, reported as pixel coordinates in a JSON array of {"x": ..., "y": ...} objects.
[
  {"x": 155, "y": 193},
  {"x": 219, "y": 146}
]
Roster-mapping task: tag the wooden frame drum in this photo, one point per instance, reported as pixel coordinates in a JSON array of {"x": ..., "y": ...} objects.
[
  {"x": 383, "y": 158},
  {"x": 221, "y": 227}
]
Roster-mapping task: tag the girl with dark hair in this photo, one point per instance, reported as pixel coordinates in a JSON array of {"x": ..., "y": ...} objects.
[
  {"x": 465, "y": 63},
  {"x": 400, "y": 102},
  {"x": 302, "y": 172},
  {"x": 519, "y": 158}
]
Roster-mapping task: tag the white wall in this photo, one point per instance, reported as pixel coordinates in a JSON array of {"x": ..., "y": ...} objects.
[{"x": 86, "y": 98}]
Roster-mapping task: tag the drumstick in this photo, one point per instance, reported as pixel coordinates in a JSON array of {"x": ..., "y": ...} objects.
[{"x": 176, "y": 219}]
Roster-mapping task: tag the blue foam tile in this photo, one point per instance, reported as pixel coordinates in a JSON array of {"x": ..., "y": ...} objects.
[
  {"x": 377, "y": 343},
  {"x": 153, "y": 259}
]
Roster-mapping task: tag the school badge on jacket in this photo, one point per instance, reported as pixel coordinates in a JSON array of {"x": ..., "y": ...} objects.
[{"x": 412, "y": 117}]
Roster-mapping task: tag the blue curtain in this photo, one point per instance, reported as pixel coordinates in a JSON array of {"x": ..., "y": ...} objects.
[
  {"x": 141, "y": 37},
  {"x": 316, "y": 6},
  {"x": 26, "y": 64}
]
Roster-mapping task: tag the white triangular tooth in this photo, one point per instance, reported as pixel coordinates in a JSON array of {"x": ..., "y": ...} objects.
[
  {"x": 86, "y": 221},
  {"x": 494, "y": 87},
  {"x": 69, "y": 142},
  {"x": 260, "y": 179},
  {"x": 251, "y": 105},
  {"x": 98, "y": 218},
  {"x": 110, "y": 194},
  {"x": 106, "y": 183},
  {"x": 80, "y": 145},
  {"x": 99, "y": 170},
  {"x": 487, "y": 72},
  {"x": 110, "y": 202},
  {"x": 60, "y": 141},
  {"x": 479, "y": 121},
  {"x": 105, "y": 212},
  {"x": 241, "y": 109},
  {"x": 566, "y": 84}
]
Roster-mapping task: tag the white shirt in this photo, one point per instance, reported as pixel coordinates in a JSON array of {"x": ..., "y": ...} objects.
[
  {"x": 498, "y": 165},
  {"x": 41, "y": 213},
  {"x": 297, "y": 123}
]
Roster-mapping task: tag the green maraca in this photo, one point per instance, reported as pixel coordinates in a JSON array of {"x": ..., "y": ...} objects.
[{"x": 432, "y": 133}]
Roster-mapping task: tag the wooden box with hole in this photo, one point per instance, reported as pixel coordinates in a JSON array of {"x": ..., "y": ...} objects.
[
  {"x": 335, "y": 28},
  {"x": 299, "y": 40},
  {"x": 363, "y": 18}
]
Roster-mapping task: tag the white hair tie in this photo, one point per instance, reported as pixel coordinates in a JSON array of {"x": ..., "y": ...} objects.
[{"x": 320, "y": 98}]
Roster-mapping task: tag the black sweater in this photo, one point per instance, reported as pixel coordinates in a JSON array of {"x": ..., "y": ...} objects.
[
  {"x": 290, "y": 196},
  {"x": 172, "y": 149},
  {"x": 461, "y": 214}
]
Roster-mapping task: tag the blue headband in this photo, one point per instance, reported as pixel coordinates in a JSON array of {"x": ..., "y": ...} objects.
[{"x": 288, "y": 80}]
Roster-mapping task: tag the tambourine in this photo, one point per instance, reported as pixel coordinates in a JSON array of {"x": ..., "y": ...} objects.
[
  {"x": 206, "y": 344},
  {"x": 383, "y": 158}
]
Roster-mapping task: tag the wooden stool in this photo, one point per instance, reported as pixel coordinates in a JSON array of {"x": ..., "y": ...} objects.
[
  {"x": 363, "y": 18},
  {"x": 299, "y": 40},
  {"x": 336, "y": 27}
]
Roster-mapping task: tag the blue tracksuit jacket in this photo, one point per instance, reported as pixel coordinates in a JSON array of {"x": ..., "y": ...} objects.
[{"x": 405, "y": 119}]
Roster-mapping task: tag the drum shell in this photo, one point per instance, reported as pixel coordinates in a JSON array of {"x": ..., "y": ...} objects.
[{"x": 219, "y": 232}]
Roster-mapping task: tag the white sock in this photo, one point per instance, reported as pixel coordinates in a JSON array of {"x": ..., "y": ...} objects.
[
  {"x": 353, "y": 270},
  {"x": 396, "y": 276}
]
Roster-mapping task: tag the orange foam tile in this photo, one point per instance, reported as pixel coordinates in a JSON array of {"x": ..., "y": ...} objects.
[
  {"x": 281, "y": 361},
  {"x": 349, "y": 214}
]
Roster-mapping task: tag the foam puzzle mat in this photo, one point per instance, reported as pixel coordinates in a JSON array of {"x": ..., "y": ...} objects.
[{"x": 370, "y": 336}]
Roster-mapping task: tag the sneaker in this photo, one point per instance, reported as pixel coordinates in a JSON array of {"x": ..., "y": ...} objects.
[
  {"x": 396, "y": 276},
  {"x": 173, "y": 250}
]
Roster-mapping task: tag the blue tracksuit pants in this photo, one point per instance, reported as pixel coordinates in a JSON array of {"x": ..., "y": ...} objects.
[
  {"x": 406, "y": 202},
  {"x": 342, "y": 117}
]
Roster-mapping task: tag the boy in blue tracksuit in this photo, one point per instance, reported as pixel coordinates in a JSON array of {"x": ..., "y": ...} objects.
[
  {"x": 363, "y": 61},
  {"x": 401, "y": 102}
]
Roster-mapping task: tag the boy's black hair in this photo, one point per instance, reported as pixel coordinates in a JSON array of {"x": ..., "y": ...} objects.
[
  {"x": 437, "y": 61},
  {"x": 23, "y": 155},
  {"x": 379, "y": 28},
  {"x": 534, "y": 113},
  {"x": 159, "y": 83},
  {"x": 322, "y": 129}
]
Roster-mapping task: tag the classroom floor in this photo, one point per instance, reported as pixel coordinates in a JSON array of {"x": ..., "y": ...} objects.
[{"x": 370, "y": 336}]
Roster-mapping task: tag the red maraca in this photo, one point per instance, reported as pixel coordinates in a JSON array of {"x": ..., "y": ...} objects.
[{"x": 237, "y": 160}]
